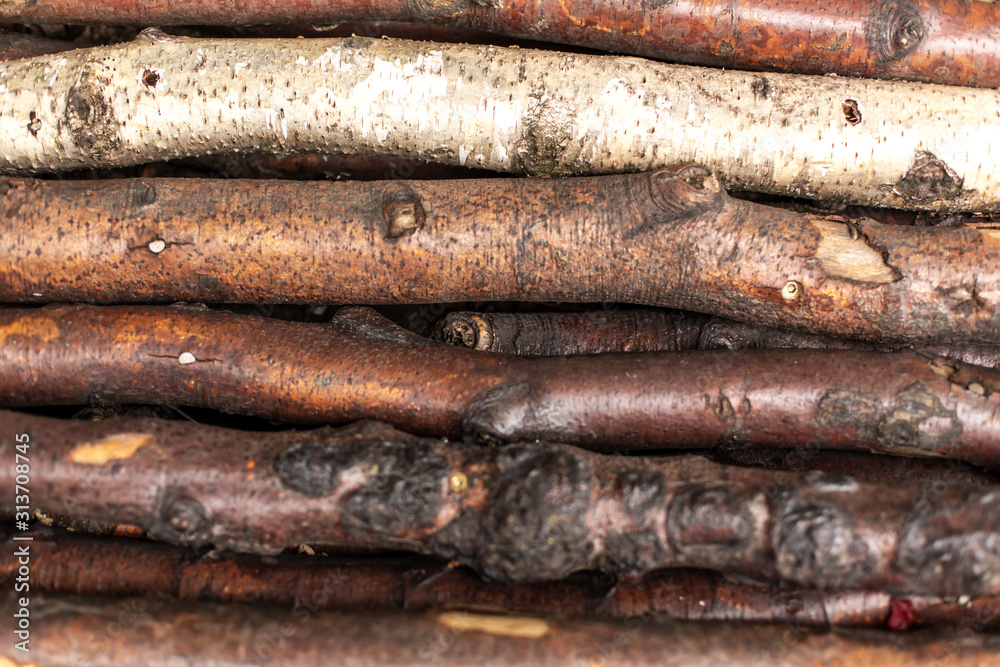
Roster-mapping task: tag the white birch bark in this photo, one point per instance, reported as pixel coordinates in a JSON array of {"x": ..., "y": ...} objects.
[{"x": 873, "y": 142}]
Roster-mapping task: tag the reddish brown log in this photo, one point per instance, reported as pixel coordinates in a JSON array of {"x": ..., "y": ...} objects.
[
  {"x": 155, "y": 632},
  {"x": 62, "y": 562},
  {"x": 590, "y": 332},
  {"x": 525, "y": 512},
  {"x": 942, "y": 41},
  {"x": 670, "y": 238},
  {"x": 362, "y": 366}
]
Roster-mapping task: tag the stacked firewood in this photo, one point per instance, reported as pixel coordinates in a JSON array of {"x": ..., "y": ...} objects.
[{"x": 293, "y": 370}]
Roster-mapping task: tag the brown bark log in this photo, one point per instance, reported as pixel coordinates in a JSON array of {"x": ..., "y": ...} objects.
[
  {"x": 526, "y": 512},
  {"x": 731, "y": 335},
  {"x": 15, "y": 45},
  {"x": 593, "y": 332},
  {"x": 554, "y": 334},
  {"x": 360, "y": 366},
  {"x": 154, "y": 632},
  {"x": 670, "y": 238},
  {"x": 942, "y": 41},
  {"x": 62, "y": 562}
]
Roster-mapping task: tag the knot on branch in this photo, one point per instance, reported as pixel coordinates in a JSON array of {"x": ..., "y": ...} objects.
[
  {"x": 725, "y": 334},
  {"x": 90, "y": 117},
  {"x": 402, "y": 209},
  {"x": 928, "y": 180},
  {"x": 535, "y": 522},
  {"x": 817, "y": 545},
  {"x": 390, "y": 483},
  {"x": 958, "y": 544},
  {"x": 709, "y": 523},
  {"x": 181, "y": 520},
  {"x": 894, "y": 30},
  {"x": 676, "y": 194},
  {"x": 504, "y": 414},
  {"x": 466, "y": 330}
]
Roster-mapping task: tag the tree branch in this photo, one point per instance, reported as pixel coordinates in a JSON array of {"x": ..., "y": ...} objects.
[
  {"x": 361, "y": 366},
  {"x": 940, "y": 41},
  {"x": 537, "y": 112},
  {"x": 155, "y": 632},
  {"x": 526, "y": 512},
  {"x": 63, "y": 562},
  {"x": 671, "y": 238}
]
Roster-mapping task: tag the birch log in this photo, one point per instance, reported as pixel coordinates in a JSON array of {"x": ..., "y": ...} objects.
[
  {"x": 362, "y": 367},
  {"x": 153, "y": 632},
  {"x": 670, "y": 238},
  {"x": 518, "y": 110},
  {"x": 940, "y": 41},
  {"x": 521, "y": 513}
]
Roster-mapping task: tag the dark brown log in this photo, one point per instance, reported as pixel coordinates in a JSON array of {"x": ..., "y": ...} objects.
[
  {"x": 525, "y": 512},
  {"x": 63, "y": 562},
  {"x": 590, "y": 332},
  {"x": 942, "y": 41},
  {"x": 732, "y": 335},
  {"x": 155, "y": 632},
  {"x": 15, "y": 45},
  {"x": 669, "y": 238},
  {"x": 361, "y": 366}
]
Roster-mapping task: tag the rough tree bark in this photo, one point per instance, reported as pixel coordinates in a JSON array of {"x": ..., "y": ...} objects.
[
  {"x": 62, "y": 562},
  {"x": 360, "y": 366},
  {"x": 671, "y": 237},
  {"x": 892, "y": 144},
  {"x": 588, "y": 332},
  {"x": 941, "y": 41},
  {"x": 153, "y": 632},
  {"x": 524, "y": 512},
  {"x": 594, "y": 332}
]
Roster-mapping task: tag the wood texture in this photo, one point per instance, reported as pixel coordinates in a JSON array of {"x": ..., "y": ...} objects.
[
  {"x": 361, "y": 366},
  {"x": 941, "y": 41},
  {"x": 64, "y": 562},
  {"x": 671, "y": 237},
  {"x": 521, "y": 513},
  {"x": 537, "y": 112},
  {"x": 155, "y": 632}
]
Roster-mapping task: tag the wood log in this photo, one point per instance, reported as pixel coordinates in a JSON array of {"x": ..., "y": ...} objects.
[
  {"x": 594, "y": 332},
  {"x": 670, "y": 238},
  {"x": 361, "y": 366},
  {"x": 587, "y": 332},
  {"x": 725, "y": 333},
  {"x": 63, "y": 562},
  {"x": 538, "y": 112},
  {"x": 939, "y": 41},
  {"x": 15, "y": 45},
  {"x": 521, "y": 513},
  {"x": 154, "y": 632}
]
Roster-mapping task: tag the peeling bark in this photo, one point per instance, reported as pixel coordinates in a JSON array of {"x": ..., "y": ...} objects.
[
  {"x": 62, "y": 562},
  {"x": 670, "y": 238},
  {"x": 525, "y": 512},
  {"x": 159, "y": 97},
  {"x": 121, "y": 632},
  {"x": 940, "y": 41},
  {"x": 361, "y": 366}
]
